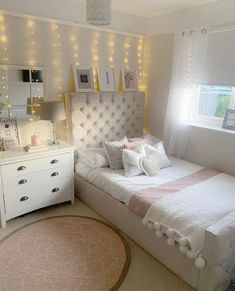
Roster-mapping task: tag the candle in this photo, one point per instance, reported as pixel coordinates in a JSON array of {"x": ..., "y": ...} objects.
[{"x": 35, "y": 140}]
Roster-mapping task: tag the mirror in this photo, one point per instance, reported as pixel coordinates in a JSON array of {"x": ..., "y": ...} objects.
[{"x": 21, "y": 91}]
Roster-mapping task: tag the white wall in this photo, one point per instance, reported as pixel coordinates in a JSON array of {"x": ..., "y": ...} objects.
[
  {"x": 158, "y": 64},
  {"x": 72, "y": 11},
  {"x": 58, "y": 48},
  {"x": 213, "y": 14}
]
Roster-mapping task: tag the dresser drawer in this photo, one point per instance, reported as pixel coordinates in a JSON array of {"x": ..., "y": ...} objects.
[
  {"x": 19, "y": 202},
  {"x": 30, "y": 180},
  {"x": 36, "y": 165}
]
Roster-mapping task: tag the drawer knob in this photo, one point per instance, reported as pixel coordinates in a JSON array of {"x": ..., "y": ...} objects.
[
  {"x": 21, "y": 168},
  {"x": 24, "y": 198},
  {"x": 55, "y": 190},
  {"x": 22, "y": 181},
  {"x": 54, "y": 161},
  {"x": 54, "y": 174}
]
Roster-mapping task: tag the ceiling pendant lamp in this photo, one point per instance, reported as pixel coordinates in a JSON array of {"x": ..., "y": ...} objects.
[{"x": 98, "y": 12}]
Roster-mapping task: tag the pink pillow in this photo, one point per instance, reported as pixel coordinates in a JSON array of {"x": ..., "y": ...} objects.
[{"x": 132, "y": 145}]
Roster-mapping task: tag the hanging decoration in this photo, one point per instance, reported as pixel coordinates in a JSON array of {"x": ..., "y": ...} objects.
[{"x": 98, "y": 12}]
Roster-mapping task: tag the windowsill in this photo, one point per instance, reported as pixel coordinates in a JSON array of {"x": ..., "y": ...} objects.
[{"x": 212, "y": 127}]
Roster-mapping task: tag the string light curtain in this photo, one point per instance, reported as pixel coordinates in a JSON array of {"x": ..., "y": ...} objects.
[{"x": 98, "y": 12}]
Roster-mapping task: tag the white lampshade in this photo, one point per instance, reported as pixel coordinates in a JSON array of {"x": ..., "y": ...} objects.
[
  {"x": 52, "y": 110},
  {"x": 98, "y": 12}
]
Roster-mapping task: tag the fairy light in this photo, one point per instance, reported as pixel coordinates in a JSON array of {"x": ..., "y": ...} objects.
[
  {"x": 75, "y": 45},
  {"x": 31, "y": 42},
  {"x": 95, "y": 57},
  {"x": 127, "y": 46},
  {"x": 3, "y": 41},
  {"x": 111, "y": 45},
  {"x": 140, "y": 63},
  {"x": 4, "y": 61},
  {"x": 57, "y": 60}
]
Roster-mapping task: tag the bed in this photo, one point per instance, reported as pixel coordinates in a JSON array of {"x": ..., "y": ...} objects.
[{"x": 95, "y": 117}]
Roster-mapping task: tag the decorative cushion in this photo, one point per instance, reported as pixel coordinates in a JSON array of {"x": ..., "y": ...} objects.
[
  {"x": 93, "y": 157},
  {"x": 131, "y": 161},
  {"x": 150, "y": 165},
  {"x": 132, "y": 145},
  {"x": 113, "y": 151},
  {"x": 159, "y": 151}
]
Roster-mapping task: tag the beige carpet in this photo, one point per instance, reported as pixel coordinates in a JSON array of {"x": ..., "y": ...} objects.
[{"x": 145, "y": 273}]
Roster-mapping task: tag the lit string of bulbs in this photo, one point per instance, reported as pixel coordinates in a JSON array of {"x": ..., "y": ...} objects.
[
  {"x": 140, "y": 63},
  {"x": 4, "y": 72},
  {"x": 111, "y": 49},
  {"x": 75, "y": 46},
  {"x": 31, "y": 40},
  {"x": 95, "y": 57},
  {"x": 57, "y": 58},
  {"x": 127, "y": 46},
  {"x": 32, "y": 62}
]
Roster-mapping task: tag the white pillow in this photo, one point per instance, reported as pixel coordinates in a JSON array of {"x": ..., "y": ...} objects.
[
  {"x": 131, "y": 161},
  {"x": 113, "y": 151},
  {"x": 159, "y": 151},
  {"x": 151, "y": 139},
  {"x": 93, "y": 157}
]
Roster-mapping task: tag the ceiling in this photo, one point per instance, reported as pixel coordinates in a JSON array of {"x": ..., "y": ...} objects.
[{"x": 148, "y": 8}]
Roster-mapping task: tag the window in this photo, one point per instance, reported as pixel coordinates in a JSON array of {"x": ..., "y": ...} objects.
[{"x": 213, "y": 101}]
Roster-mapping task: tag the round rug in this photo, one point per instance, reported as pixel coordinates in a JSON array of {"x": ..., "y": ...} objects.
[{"x": 63, "y": 253}]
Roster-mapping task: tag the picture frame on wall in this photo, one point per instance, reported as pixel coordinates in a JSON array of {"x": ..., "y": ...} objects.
[
  {"x": 83, "y": 78},
  {"x": 229, "y": 120},
  {"x": 129, "y": 79},
  {"x": 106, "y": 79},
  {"x": 9, "y": 132}
]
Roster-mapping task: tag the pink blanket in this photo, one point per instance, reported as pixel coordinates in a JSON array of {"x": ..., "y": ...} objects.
[{"x": 141, "y": 201}]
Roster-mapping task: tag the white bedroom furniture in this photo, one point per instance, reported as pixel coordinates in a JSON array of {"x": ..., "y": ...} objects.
[
  {"x": 94, "y": 118},
  {"x": 30, "y": 181}
]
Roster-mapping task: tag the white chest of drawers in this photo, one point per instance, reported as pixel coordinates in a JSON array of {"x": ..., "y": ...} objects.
[{"x": 30, "y": 181}]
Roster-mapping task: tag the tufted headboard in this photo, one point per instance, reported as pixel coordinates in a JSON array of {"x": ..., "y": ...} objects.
[{"x": 95, "y": 117}]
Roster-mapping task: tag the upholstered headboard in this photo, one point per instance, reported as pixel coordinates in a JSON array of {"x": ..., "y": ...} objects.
[{"x": 93, "y": 118}]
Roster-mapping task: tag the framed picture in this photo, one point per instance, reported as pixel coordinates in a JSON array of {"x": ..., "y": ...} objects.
[
  {"x": 83, "y": 79},
  {"x": 106, "y": 79},
  {"x": 129, "y": 82},
  {"x": 9, "y": 132},
  {"x": 229, "y": 119}
]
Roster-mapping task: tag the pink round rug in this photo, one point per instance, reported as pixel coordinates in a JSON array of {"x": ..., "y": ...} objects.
[{"x": 63, "y": 253}]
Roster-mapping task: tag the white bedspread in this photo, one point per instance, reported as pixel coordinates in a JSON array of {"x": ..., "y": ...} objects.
[
  {"x": 185, "y": 215},
  {"x": 181, "y": 217},
  {"x": 117, "y": 185}
]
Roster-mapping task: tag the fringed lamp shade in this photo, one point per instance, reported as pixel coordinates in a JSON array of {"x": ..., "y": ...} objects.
[{"x": 98, "y": 12}]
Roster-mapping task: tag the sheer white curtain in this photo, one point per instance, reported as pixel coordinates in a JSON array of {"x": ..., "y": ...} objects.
[{"x": 188, "y": 63}]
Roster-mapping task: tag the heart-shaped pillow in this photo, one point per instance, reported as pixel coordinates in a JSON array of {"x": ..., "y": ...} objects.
[{"x": 150, "y": 165}]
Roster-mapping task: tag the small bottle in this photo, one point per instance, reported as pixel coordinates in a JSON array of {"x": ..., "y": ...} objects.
[{"x": 35, "y": 140}]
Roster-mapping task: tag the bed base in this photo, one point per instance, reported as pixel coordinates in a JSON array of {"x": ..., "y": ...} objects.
[{"x": 219, "y": 248}]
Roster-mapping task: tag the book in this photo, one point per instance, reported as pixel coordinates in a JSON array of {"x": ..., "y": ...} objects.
[{"x": 30, "y": 148}]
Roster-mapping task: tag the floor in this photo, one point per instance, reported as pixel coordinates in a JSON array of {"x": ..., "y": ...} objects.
[{"x": 145, "y": 273}]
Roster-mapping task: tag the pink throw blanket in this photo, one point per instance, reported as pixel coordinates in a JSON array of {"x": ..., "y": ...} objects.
[{"x": 141, "y": 201}]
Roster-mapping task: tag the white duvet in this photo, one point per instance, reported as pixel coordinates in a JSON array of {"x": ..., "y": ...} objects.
[{"x": 122, "y": 188}]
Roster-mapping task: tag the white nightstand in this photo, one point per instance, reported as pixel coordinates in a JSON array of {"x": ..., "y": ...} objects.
[{"x": 30, "y": 181}]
